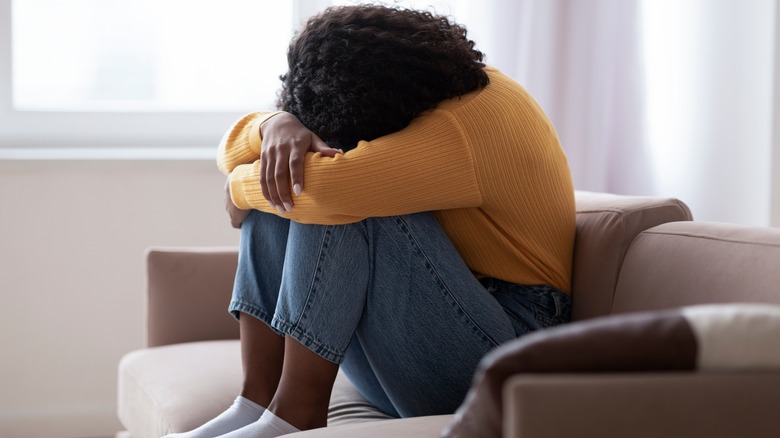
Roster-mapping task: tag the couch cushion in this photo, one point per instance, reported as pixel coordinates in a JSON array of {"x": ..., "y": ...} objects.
[
  {"x": 419, "y": 427},
  {"x": 178, "y": 387},
  {"x": 710, "y": 337},
  {"x": 688, "y": 263},
  {"x": 735, "y": 336},
  {"x": 650, "y": 405},
  {"x": 606, "y": 226}
]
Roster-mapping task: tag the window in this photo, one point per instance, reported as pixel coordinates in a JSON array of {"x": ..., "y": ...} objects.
[
  {"x": 142, "y": 73},
  {"x": 148, "y": 55}
]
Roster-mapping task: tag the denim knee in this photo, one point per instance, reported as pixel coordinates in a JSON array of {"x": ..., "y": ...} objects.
[{"x": 260, "y": 263}]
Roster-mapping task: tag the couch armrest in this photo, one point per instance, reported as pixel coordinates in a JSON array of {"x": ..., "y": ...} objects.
[
  {"x": 642, "y": 405},
  {"x": 188, "y": 291},
  {"x": 606, "y": 226}
]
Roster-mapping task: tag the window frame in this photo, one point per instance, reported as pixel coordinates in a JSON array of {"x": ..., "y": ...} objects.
[{"x": 26, "y": 129}]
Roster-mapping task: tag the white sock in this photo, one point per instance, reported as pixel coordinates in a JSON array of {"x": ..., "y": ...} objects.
[
  {"x": 242, "y": 412},
  {"x": 268, "y": 426}
]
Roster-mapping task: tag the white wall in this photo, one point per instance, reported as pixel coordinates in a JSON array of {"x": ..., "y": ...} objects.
[
  {"x": 775, "y": 191},
  {"x": 72, "y": 240}
]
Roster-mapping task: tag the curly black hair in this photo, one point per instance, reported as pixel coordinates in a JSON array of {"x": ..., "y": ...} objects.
[{"x": 361, "y": 72}]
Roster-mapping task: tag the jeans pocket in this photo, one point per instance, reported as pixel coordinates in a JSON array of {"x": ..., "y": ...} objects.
[
  {"x": 551, "y": 306},
  {"x": 531, "y": 307}
]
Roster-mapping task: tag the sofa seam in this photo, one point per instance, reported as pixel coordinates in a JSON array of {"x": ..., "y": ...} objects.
[
  {"x": 626, "y": 212},
  {"x": 711, "y": 237}
]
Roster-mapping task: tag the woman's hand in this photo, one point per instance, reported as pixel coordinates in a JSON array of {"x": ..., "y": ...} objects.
[
  {"x": 236, "y": 214},
  {"x": 285, "y": 143}
]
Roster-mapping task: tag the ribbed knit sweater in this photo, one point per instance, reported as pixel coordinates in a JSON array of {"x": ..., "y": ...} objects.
[{"x": 489, "y": 163}]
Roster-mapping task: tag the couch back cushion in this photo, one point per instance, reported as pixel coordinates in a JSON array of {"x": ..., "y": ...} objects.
[
  {"x": 687, "y": 263},
  {"x": 188, "y": 290},
  {"x": 606, "y": 226}
]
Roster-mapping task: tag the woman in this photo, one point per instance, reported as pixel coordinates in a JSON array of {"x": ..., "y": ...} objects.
[{"x": 444, "y": 230}]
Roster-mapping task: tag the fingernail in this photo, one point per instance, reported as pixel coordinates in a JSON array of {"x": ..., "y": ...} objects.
[
  {"x": 288, "y": 207},
  {"x": 297, "y": 189},
  {"x": 280, "y": 210}
]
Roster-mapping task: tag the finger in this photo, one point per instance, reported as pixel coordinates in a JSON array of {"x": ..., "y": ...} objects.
[
  {"x": 228, "y": 198},
  {"x": 235, "y": 221},
  {"x": 317, "y": 145},
  {"x": 270, "y": 182},
  {"x": 282, "y": 178},
  {"x": 263, "y": 177},
  {"x": 238, "y": 216},
  {"x": 296, "y": 171}
]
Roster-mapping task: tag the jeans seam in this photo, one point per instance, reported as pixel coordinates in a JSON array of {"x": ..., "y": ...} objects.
[
  {"x": 317, "y": 274},
  {"x": 295, "y": 331},
  {"x": 442, "y": 286},
  {"x": 253, "y": 311},
  {"x": 294, "y": 328}
]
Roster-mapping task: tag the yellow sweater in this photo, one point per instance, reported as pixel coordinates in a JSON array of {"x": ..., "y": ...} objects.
[{"x": 488, "y": 163}]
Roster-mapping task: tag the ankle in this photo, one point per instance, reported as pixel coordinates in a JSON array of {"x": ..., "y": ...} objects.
[
  {"x": 301, "y": 416},
  {"x": 258, "y": 397}
]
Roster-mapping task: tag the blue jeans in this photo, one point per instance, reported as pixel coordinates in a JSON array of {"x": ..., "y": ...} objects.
[{"x": 390, "y": 300}]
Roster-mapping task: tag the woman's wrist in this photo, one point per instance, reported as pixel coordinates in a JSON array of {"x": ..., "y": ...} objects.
[{"x": 267, "y": 118}]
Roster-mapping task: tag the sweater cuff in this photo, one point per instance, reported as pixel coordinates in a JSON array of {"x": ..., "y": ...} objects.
[{"x": 245, "y": 190}]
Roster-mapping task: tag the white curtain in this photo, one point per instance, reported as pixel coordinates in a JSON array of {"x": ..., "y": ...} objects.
[
  {"x": 653, "y": 97},
  {"x": 710, "y": 80}
]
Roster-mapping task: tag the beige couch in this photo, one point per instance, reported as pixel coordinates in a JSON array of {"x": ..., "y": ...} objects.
[{"x": 631, "y": 254}]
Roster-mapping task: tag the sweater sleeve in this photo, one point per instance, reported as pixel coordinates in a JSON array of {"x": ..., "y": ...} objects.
[
  {"x": 427, "y": 166},
  {"x": 241, "y": 143}
]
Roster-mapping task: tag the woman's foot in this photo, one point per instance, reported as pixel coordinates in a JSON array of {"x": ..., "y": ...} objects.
[
  {"x": 241, "y": 413},
  {"x": 268, "y": 426}
]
